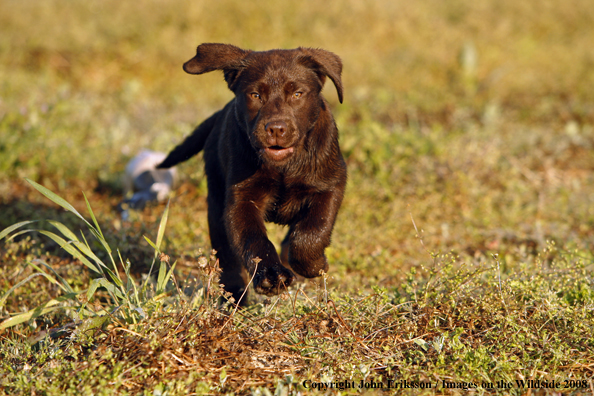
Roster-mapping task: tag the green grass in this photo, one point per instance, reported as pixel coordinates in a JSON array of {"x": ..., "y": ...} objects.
[{"x": 463, "y": 249}]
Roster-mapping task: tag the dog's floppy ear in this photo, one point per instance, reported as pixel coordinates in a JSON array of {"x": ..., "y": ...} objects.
[
  {"x": 324, "y": 63},
  {"x": 225, "y": 57}
]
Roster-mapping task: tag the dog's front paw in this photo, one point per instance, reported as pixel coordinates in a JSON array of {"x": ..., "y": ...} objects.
[{"x": 273, "y": 280}]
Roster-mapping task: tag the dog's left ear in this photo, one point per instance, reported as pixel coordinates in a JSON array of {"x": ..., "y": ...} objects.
[
  {"x": 324, "y": 63},
  {"x": 225, "y": 57}
]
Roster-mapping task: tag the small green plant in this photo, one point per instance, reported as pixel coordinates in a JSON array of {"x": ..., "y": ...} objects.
[{"x": 129, "y": 299}]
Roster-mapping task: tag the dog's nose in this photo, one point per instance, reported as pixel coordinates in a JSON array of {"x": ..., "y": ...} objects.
[{"x": 276, "y": 129}]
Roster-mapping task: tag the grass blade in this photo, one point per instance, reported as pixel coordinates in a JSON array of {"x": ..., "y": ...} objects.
[
  {"x": 16, "y": 234},
  {"x": 112, "y": 289},
  {"x": 169, "y": 274},
  {"x": 161, "y": 279},
  {"x": 162, "y": 283},
  {"x": 97, "y": 231},
  {"x": 157, "y": 247},
  {"x": 86, "y": 249},
  {"x": 26, "y": 316},
  {"x": 162, "y": 225},
  {"x": 152, "y": 244},
  {"x": 69, "y": 246},
  {"x": 70, "y": 249},
  {"x": 65, "y": 285},
  {"x": 89, "y": 253},
  {"x": 93, "y": 217},
  {"x": 57, "y": 199},
  {"x": 130, "y": 278},
  {"x": 100, "y": 282},
  {"x": 95, "y": 283},
  {"x": 27, "y": 279},
  {"x": 13, "y": 227},
  {"x": 64, "y": 230}
]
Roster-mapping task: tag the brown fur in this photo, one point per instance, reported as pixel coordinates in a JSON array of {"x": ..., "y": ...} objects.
[{"x": 271, "y": 154}]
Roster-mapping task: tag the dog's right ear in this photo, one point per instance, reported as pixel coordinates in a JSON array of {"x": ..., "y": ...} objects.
[{"x": 225, "y": 57}]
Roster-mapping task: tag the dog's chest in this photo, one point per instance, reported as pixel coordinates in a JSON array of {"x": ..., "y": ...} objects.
[{"x": 288, "y": 204}]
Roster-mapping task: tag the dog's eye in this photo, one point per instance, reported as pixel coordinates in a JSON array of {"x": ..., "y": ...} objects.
[
  {"x": 255, "y": 95},
  {"x": 297, "y": 95}
]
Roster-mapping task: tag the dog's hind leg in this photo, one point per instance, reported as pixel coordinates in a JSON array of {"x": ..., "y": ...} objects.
[{"x": 233, "y": 276}]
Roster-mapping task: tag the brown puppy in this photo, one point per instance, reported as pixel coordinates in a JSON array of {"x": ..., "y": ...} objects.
[{"x": 271, "y": 154}]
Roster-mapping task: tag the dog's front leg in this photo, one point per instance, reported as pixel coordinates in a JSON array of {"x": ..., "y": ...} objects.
[
  {"x": 310, "y": 236},
  {"x": 244, "y": 221}
]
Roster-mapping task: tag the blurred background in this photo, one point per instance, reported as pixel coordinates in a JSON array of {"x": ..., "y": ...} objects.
[{"x": 475, "y": 118}]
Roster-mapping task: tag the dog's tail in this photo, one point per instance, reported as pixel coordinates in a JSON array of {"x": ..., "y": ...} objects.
[{"x": 192, "y": 145}]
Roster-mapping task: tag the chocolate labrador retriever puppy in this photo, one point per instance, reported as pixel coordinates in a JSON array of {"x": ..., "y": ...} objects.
[{"x": 271, "y": 154}]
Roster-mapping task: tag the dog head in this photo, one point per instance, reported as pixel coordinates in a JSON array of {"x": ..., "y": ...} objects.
[{"x": 277, "y": 92}]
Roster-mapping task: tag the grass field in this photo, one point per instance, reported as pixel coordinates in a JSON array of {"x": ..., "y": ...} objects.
[{"x": 463, "y": 252}]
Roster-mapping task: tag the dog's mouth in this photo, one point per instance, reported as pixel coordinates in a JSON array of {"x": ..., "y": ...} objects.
[{"x": 278, "y": 153}]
